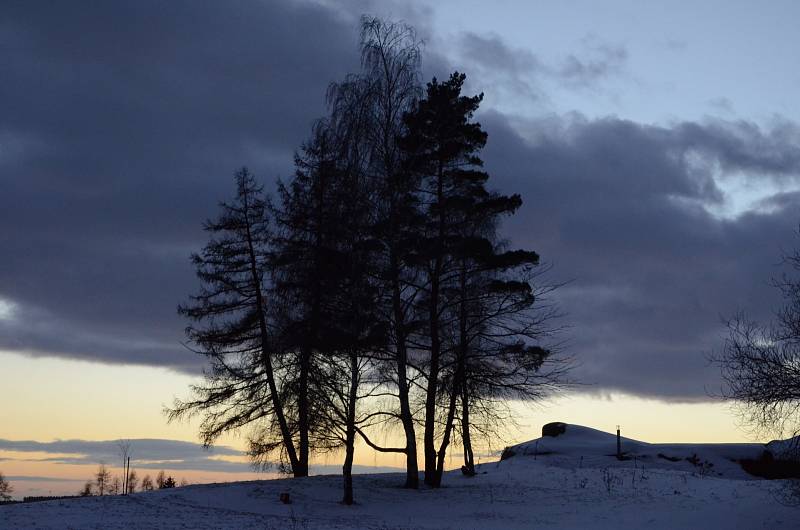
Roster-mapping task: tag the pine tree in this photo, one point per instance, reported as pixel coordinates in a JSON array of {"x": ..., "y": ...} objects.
[
  {"x": 440, "y": 144},
  {"x": 305, "y": 267},
  {"x": 476, "y": 298},
  {"x": 232, "y": 328},
  {"x": 321, "y": 271}
]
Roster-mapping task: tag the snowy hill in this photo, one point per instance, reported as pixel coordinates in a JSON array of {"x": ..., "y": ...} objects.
[
  {"x": 580, "y": 446},
  {"x": 571, "y": 481}
]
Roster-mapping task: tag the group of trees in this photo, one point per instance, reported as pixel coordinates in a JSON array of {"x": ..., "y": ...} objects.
[
  {"x": 104, "y": 483},
  {"x": 374, "y": 291}
]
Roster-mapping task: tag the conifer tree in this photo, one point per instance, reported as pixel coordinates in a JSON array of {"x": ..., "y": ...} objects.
[
  {"x": 231, "y": 313},
  {"x": 477, "y": 300}
]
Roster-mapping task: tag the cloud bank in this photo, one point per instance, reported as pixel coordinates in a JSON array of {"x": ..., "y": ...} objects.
[{"x": 122, "y": 124}]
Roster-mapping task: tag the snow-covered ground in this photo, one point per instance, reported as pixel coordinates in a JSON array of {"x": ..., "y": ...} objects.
[{"x": 577, "y": 484}]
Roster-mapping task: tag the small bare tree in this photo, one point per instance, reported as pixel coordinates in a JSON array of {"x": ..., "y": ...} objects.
[
  {"x": 161, "y": 478},
  {"x": 115, "y": 486},
  {"x": 87, "y": 489},
  {"x": 132, "y": 482},
  {"x": 760, "y": 363},
  {"x": 102, "y": 479},
  {"x": 147, "y": 483},
  {"x": 760, "y": 366},
  {"x": 761, "y": 373},
  {"x": 5, "y": 489},
  {"x": 124, "y": 447}
]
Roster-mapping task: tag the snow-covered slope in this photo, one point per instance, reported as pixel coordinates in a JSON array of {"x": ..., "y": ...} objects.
[
  {"x": 525, "y": 491},
  {"x": 580, "y": 446}
]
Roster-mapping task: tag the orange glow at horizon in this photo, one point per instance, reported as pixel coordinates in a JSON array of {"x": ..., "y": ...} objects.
[{"x": 57, "y": 399}]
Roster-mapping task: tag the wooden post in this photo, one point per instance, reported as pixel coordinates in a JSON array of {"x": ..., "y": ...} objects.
[{"x": 619, "y": 445}]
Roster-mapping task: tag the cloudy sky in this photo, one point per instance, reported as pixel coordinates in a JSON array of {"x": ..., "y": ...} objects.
[{"x": 657, "y": 151}]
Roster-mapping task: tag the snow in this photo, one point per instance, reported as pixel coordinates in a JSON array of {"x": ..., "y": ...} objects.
[
  {"x": 586, "y": 447},
  {"x": 579, "y": 484}
]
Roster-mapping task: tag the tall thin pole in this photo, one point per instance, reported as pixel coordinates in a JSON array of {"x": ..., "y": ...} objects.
[{"x": 619, "y": 445}]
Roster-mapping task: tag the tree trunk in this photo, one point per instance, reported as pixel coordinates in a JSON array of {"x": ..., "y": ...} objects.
[
  {"x": 469, "y": 460},
  {"x": 433, "y": 316},
  {"x": 433, "y": 380},
  {"x": 448, "y": 429},
  {"x": 350, "y": 436},
  {"x": 265, "y": 356},
  {"x": 412, "y": 468},
  {"x": 302, "y": 416}
]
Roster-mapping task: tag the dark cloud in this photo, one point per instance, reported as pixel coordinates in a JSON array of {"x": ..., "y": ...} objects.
[
  {"x": 623, "y": 210},
  {"x": 121, "y": 124},
  {"x": 120, "y": 127}
]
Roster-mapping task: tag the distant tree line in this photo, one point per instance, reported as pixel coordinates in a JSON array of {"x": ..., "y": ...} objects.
[
  {"x": 104, "y": 483},
  {"x": 375, "y": 289}
]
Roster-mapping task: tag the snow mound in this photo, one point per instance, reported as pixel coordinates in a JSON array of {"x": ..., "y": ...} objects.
[{"x": 580, "y": 446}]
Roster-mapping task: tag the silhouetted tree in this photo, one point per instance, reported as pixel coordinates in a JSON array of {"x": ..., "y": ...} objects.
[
  {"x": 306, "y": 267},
  {"x": 440, "y": 145},
  {"x": 133, "y": 480},
  {"x": 115, "y": 486},
  {"x": 160, "y": 479},
  {"x": 371, "y": 106},
  {"x": 168, "y": 483},
  {"x": 322, "y": 264},
  {"x": 102, "y": 479},
  {"x": 760, "y": 366},
  {"x": 477, "y": 298},
  {"x": 147, "y": 483},
  {"x": 5, "y": 488},
  {"x": 243, "y": 387},
  {"x": 87, "y": 489},
  {"x": 761, "y": 362},
  {"x": 124, "y": 447}
]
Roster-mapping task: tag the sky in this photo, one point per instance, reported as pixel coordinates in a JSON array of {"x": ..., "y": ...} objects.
[{"x": 656, "y": 149}]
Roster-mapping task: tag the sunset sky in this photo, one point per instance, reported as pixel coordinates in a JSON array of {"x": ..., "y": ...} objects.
[{"x": 657, "y": 151}]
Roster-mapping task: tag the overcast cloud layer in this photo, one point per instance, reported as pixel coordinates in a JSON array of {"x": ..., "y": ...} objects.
[{"x": 121, "y": 125}]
